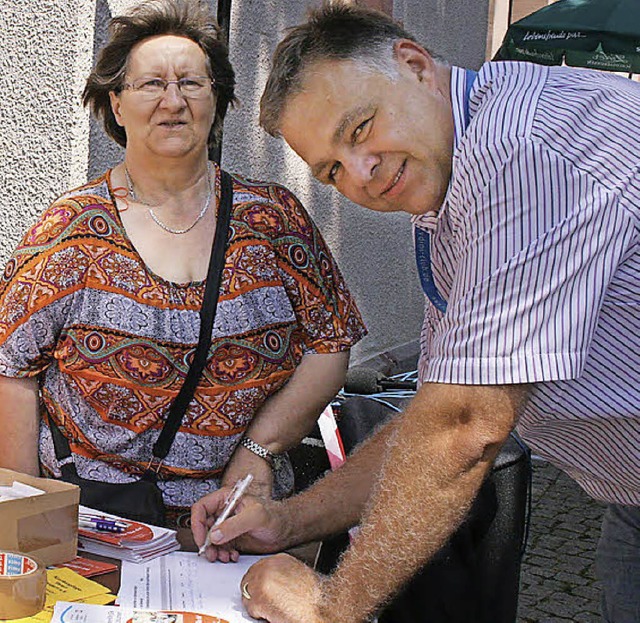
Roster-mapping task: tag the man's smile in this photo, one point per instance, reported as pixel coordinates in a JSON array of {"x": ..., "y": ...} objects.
[{"x": 393, "y": 185}]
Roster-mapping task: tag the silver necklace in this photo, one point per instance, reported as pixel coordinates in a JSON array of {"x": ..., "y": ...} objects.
[{"x": 152, "y": 214}]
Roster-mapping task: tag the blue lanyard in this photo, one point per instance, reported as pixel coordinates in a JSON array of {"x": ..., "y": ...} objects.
[
  {"x": 422, "y": 237},
  {"x": 468, "y": 84}
]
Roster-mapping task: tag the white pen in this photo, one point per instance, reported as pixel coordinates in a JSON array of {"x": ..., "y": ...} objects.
[{"x": 232, "y": 500}]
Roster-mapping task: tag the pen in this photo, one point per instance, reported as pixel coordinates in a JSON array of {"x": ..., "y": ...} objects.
[
  {"x": 104, "y": 525},
  {"x": 232, "y": 500},
  {"x": 116, "y": 520}
]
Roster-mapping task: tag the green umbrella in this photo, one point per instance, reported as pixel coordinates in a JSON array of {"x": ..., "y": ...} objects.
[{"x": 600, "y": 34}]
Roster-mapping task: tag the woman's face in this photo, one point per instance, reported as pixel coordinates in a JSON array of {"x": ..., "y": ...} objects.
[{"x": 169, "y": 124}]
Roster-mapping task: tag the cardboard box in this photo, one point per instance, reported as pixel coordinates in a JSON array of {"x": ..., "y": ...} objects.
[{"x": 43, "y": 525}]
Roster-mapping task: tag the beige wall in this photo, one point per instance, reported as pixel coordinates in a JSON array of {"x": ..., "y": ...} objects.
[
  {"x": 48, "y": 144},
  {"x": 505, "y": 12},
  {"x": 522, "y": 8}
]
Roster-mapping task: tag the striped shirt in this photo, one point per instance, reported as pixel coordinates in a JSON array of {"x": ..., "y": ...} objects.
[{"x": 536, "y": 250}]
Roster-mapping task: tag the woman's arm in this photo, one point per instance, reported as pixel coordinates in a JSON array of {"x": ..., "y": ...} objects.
[
  {"x": 327, "y": 317},
  {"x": 288, "y": 415},
  {"x": 19, "y": 423}
]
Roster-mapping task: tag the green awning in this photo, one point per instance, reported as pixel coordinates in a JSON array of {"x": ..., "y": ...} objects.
[{"x": 600, "y": 34}]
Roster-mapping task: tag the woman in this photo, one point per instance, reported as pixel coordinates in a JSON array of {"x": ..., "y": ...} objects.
[{"x": 99, "y": 304}]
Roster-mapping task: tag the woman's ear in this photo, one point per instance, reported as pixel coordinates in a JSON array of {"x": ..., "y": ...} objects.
[{"x": 114, "y": 98}]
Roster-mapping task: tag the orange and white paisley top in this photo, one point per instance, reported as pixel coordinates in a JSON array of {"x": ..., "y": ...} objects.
[{"x": 111, "y": 341}]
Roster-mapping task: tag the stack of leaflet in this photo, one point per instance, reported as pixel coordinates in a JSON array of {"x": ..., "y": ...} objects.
[{"x": 127, "y": 540}]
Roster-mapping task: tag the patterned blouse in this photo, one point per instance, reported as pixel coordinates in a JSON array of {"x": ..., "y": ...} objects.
[{"x": 111, "y": 341}]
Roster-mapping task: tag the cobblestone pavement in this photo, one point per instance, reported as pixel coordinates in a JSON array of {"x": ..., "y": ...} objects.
[{"x": 557, "y": 581}]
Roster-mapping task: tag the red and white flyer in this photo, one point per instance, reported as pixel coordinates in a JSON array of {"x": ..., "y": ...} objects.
[
  {"x": 70, "y": 612},
  {"x": 138, "y": 542}
]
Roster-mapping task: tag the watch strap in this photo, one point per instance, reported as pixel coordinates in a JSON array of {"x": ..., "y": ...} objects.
[{"x": 261, "y": 451}]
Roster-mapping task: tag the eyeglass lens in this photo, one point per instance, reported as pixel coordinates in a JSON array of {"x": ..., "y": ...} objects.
[{"x": 190, "y": 87}]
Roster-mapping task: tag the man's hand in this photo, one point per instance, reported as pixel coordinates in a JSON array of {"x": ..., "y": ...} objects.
[
  {"x": 258, "y": 526},
  {"x": 281, "y": 589}
]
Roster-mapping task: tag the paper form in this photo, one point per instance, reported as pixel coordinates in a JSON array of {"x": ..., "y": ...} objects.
[{"x": 186, "y": 581}]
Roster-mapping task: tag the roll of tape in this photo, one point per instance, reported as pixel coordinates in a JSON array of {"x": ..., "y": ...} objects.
[{"x": 23, "y": 584}]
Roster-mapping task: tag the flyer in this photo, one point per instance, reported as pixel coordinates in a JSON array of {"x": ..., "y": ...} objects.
[{"x": 69, "y": 612}]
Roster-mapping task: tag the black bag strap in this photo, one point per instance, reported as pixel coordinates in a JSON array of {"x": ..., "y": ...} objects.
[
  {"x": 207, "y": 315},
  {"x": 63, "y": 453}
]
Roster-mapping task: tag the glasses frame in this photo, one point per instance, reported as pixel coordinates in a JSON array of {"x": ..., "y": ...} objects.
[{"x": 153, "y": 96}]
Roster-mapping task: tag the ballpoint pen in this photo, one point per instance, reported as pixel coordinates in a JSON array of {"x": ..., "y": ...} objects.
[
  {"x": 232, "y": 500},
  {"x": 102, "y": 524}
]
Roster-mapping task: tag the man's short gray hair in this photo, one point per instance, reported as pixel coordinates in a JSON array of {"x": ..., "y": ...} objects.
[{"x": 337, "y": 32}]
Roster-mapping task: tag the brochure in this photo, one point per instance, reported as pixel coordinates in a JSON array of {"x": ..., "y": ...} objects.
[
  {"x": 66, "y": 612},
  {"x": 136, "y": 542}
]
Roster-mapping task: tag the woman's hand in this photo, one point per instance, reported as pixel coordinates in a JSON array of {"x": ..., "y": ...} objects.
[
  {"x": 245, "y": 462},
  {"x": 258, "y": 526}
]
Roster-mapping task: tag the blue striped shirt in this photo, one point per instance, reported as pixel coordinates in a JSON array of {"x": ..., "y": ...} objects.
[{"x": 536, "y": 250}]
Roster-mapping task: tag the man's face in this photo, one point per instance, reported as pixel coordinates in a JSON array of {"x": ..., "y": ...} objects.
[{"x": 384, "y": 143}]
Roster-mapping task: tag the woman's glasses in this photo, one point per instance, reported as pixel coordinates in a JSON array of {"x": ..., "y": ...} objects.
[{"x": 191, "y": 87}]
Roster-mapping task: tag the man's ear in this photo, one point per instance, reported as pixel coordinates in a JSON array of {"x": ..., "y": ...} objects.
[
  {"x": 414, "y": 57},
  {"x": 114, "y": 98}
]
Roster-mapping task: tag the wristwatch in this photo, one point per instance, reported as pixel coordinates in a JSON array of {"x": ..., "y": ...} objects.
[{"x": 253, "y": 446}]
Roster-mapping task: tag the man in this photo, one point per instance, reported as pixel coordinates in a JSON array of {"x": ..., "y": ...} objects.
[{"x": 527, "y": 180}]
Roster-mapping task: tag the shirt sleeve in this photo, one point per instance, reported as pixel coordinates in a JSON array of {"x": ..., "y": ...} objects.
[
  {"x": 321, "y": 301},
  {"x": 37, "y": 287},
  {"x": 537, "y": 248}
]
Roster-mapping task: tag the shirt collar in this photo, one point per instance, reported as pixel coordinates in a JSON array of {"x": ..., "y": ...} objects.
[{"x": 429, "y": 220}]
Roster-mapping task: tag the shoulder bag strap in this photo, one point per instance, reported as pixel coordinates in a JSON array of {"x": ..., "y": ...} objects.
[{"x": 207, "y": 314}]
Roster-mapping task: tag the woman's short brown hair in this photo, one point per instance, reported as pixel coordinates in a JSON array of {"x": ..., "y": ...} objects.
[{"x": 192, "y": 19}]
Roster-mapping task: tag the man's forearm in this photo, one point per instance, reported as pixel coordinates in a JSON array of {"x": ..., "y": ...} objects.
[
  {"x": 330, "y": 506},
  {"x": 432, "y": 471},
  {"x": 336, "y": 502}
]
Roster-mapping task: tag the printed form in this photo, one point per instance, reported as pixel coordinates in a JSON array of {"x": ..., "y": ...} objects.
[{"x": 188, "y": 582}]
